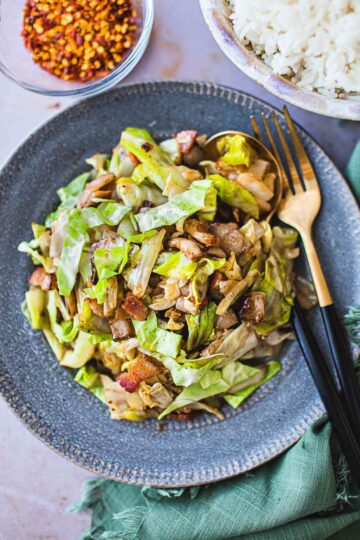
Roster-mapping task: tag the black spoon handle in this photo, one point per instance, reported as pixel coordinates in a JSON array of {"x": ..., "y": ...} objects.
[
  {"x": 340, "y": 353},
  {"x": 325, "y": 384}
]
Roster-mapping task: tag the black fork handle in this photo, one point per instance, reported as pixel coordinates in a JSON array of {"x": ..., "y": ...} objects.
[
  {"x": 325, "y": 384},
  {"x": 340, "y": 353}
]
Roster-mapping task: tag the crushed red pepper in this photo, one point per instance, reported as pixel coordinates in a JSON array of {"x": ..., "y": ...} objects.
[{"x": 79, "y": 40}]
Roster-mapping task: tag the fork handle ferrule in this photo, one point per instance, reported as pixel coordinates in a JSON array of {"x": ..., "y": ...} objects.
[{"x": 318, "y": 277}]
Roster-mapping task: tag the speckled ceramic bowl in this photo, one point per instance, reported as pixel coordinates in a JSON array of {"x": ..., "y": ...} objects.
[
  {"x": 216, "y": 14},
  {"x": 43, "y": 394}
]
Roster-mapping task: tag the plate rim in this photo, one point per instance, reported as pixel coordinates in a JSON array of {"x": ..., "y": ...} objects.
[{"x": 39, "y": 428}]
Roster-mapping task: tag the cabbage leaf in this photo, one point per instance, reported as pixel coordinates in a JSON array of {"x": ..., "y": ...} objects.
[
  {"x": 121, "y": 165},
  {"x": 127, "y": 226},
  {"x": 138, "y": 278},
  {"x": 89, "y": 378},
  {"x": 109, "y": 262},
  {"x": 209, "y": 210},
  {"x": 134, "y": 195},
  {"x": 155, "y": 339},
  {"x": 83, "y": 351},
  {"x": 237, "y": 150},
  {"x": 236, "y": 291},
  {"x": 98, "y": 291},
  {"x": 156, "y": 162},
  {"x": 201, "y": 327},
  {"x": 69, "y": 196},
  {"x": 176, "y": 265},
  {"x": 85, "y": 268},
  {"x": 237, "y": 343},
  {"x": 37, "y": 258},
  {"x": 180, "y": 206},
  {"x": 67, "y": 330},
  {"x": 278, "y": 266},
  {"x": 235, "y": 195},
  {"x": 277, "y": 310},
  {"x": 199, "y": 281},
  {"x": 236, "y": 399},
  {"x": 99, "y": 162},
  {"x": 57, "y": 348},
  {"x": 220, "y": 381},
  {"x": 112, "y": 212},
  {"x": 34, "y": 308},
  {"x": 75, "y": 239}
]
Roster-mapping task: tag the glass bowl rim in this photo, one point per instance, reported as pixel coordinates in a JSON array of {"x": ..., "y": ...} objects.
[{"x": 109, "y": 80}]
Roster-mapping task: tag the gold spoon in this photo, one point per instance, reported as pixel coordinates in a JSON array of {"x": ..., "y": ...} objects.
[{"x": 210, "y": 147}]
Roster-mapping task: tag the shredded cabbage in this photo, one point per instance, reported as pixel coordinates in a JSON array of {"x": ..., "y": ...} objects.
[
  {"x": 136, "y": 283},
  {"x": 155, "y": 339},
  {"x": 199, "y": 282},
  {"x": 237, "y": 150},
  {"x": 75, "y": 239},
  {"x": 235, "y": 195},
  {"x": 176, "y": 265},
  {"x": 69, "y": 196},
  {"x": 180, "y": 206},
  {"x": 201, "y": 327},
  {"x": 89, "y": 378}
]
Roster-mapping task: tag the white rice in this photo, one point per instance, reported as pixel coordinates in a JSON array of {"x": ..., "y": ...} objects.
[{"x": 316, "y": 43}]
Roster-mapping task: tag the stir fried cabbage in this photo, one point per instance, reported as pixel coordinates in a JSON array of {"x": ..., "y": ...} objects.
[{"x": 159, "y": 280}]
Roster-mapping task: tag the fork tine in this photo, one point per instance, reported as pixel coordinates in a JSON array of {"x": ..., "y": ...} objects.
[
  {"x": 256, "y": 129},
  {"x": 275, "y": 150},
  {"x": 292, "y": 168},
  {"x": 305, "y": 163}
]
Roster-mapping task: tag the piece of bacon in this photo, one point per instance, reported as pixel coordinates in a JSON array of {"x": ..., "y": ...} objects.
[
  {"x": 190, "y": 248},
  {"x": 92, "y": 187},
  {"x": 253, "y": 307},
  {"x": 231, "y": 238},
  {"x": 97, "y": 309},
  {"x": 120, "y": 325},
  {"x": 199, "y": 231},
  {"x": 71, "y": 304},
  {"x": 186, "y": 140},
  {"x": 185, "y": 413},
  {"x": 216, "y": 279},
  {"x": 135, "y": 307},
  {"x": 103, "y": 194},
  {"x": 134, "y": 160},
  {"x": 40, "y": 278},
  {"x": 229, "y": 319},
  {"x": 139, "y": 371},
  {"x": 120, "y": 328},
  {"x": 127, "y": 383}
]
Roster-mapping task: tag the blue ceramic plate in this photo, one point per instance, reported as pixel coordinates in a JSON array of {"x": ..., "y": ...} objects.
[{"x": 66, "y": 416}]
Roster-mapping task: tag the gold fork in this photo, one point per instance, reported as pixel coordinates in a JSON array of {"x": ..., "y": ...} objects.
[{"x": 298, "y": 208}]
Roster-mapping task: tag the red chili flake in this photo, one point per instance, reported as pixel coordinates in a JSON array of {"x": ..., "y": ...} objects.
[{"x": 92, "y": 36}]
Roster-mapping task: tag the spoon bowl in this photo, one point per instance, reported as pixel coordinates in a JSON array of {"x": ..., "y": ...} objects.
[{"x": 212, "y": 152}]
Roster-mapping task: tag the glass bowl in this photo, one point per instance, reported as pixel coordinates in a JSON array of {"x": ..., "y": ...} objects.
[{"x": 17, "y": 64}]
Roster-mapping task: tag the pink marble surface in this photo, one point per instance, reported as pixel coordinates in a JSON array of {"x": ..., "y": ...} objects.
[{"x": 36, "y": 485}]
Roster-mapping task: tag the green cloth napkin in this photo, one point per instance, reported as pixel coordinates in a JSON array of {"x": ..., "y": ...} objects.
[
  {"x": 352, "y": 171},
  {"x": 305, "y": 494}
]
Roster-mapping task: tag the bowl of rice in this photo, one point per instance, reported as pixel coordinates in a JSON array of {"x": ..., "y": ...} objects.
[{"x": 307, "y": 52}]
